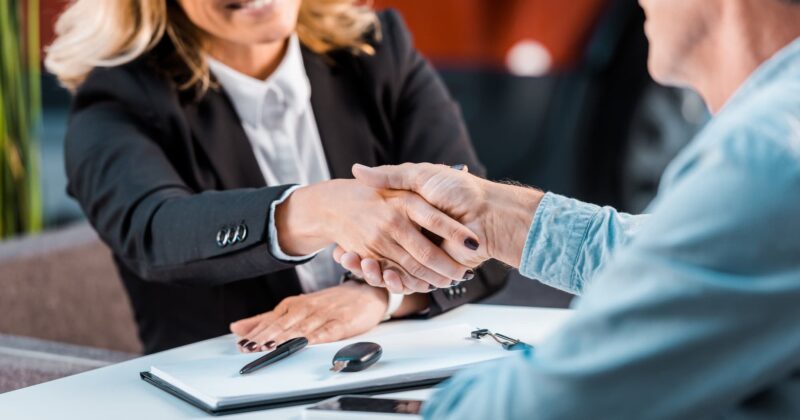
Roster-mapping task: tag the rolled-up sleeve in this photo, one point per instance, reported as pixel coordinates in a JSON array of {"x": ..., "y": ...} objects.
[{"x": 569, "y": 241}]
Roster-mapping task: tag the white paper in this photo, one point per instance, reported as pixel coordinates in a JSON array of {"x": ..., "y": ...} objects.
[{"x": 406, "y": 357}]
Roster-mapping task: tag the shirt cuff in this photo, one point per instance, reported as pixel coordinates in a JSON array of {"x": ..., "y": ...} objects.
[
  {"x": 274, "y": 244},
  {"x": 554, "y": 242},
  {"x": 395, "y": 300}
]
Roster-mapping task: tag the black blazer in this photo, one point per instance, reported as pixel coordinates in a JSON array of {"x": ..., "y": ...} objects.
[{"x": 159, "y": 172}]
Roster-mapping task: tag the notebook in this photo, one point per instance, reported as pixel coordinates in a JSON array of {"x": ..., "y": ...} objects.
[{"x": 410, "y": 360}]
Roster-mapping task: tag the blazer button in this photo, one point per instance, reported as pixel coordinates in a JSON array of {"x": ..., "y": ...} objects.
[
  {"x": 239, "y": 233},
  {"x": 222, "y": 237}
]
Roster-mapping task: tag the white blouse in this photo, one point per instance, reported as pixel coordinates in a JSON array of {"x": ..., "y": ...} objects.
[{"x": 278, "y": 120}]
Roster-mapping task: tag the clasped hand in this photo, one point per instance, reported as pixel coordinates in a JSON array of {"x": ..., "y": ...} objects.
[
  {"x": 449, "y": 193},
  {"x": 383, "y": 225}
]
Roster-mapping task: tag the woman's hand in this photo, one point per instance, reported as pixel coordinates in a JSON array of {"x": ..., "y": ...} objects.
[
  {"x": 375, "y": 223},
  {"x": 328, "y": 315}
]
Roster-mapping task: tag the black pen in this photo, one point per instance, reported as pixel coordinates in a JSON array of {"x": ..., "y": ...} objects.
[{"x": 281, "y": 352}]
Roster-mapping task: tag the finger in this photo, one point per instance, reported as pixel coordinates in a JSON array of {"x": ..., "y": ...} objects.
[
  {"x": 243, "y": 326},
  {"x": 411, "y": 267},
  {"x": 433, "y": 220},
  {"x": 352, "y": 262},
  {"x": 332, "y": 330},
  {"x": 413, "y": 285},
  {"x": 394, "y": 283},
  {"x": 337, "y": 254},
  {"x": 408, "y": 283},
  {"x": 408, "y": 176},
  {"x": 424, "y": 260},
  {"x": 436, "y": 221},
  {"x": 301, "y": 329},
  {"x": 255, "y": 323},
  {"x": 246, "y": 344},
  {"x": 372, "y": 272},
  {"x": 262, "y": 336}
]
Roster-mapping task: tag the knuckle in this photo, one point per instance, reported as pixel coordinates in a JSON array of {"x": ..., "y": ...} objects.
[
  {"x": 334, "y": 328},
  {"x": 283, "y": 324},
  {"x": 433, "y": 219},
  {"x": 418, "y": 271},
  {"x": 263, "y": 326},
  {"x": 288, "y": 302},
  {"x": 280, "y": 307},
  {"x": 312, "y": 322},
  {"x": 454, "y": 231},
  {"x": 395, "y": 219},
  {"x": 426, "y": 254}
]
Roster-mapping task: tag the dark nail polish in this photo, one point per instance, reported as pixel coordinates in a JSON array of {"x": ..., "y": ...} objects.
[
  {"x": 431, "y": 287},
  {"x": 469, "y": 275},
  {"x": 459, "y": 167},
  {"x": 453, "y": 283},
  {"x": 269, "y": 344},
  {"x": 242, "y": 342},
  {"x": 471, "y": 244},
  {"x": 251, "y": 346}
]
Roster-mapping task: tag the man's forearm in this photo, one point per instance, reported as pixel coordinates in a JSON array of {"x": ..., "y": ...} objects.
[{"x": 508, "y": 219}]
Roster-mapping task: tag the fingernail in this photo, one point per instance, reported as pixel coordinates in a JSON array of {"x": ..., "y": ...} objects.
[
  {"x": 469, "y": 275},
  {"x": 269, "y": 344},
  {"x": 453, "y": 283},
  {"x": 459, "y": 166},
  {"x": 471, "y": 244},
  {"x": 242, "y": 342},
  {"x": 251, "y": 346}
]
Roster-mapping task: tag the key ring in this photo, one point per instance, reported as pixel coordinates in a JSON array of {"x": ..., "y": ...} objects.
[{"x": 507, "y": 342}]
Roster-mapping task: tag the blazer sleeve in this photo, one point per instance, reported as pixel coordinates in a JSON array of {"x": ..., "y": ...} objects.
[
  {"x": 428, "y": 127},
  {"x": 133, "y": 196}
]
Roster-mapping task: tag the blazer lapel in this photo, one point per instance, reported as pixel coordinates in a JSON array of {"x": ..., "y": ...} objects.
[
  {"x": 342, "y": 122},
  {"x": 219, "y": 131}
]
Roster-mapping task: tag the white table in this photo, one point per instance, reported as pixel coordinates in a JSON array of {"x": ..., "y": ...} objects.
[{"x": 116, "y": 392}]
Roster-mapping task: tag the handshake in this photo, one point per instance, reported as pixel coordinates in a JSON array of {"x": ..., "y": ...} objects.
[
  {"x": 408, "y": 228},
  {"x": 379, "y": 223}
]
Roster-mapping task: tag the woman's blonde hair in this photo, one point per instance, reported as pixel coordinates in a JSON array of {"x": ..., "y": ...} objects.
[{"x": 107, "y": 33}]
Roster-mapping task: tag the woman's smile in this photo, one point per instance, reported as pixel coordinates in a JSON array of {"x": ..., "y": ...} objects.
[{"x": 251, "y": 7}]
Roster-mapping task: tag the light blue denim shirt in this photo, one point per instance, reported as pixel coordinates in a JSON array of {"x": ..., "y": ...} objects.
[{"x": 690, "y": 312}]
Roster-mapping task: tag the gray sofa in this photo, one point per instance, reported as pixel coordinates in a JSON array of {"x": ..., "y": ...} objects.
[
  {"x": 62, "y": 286},
  {"x": 63, "y": 309}
]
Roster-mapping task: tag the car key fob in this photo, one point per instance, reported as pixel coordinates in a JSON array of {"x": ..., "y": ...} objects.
[{"x": 356, "y": 357}]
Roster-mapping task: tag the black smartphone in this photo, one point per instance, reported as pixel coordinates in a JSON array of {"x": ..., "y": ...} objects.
[{"x": 360, "y": 406}]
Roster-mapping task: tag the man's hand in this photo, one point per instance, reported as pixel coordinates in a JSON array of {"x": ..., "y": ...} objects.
[
  {"x": 455, "y": 192},
  {"x": 327, "y": 315},
  {"x": 499, "y": 214}
]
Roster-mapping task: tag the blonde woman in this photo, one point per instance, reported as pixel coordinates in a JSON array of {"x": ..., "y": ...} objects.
[{"x": 208, "y": 145}]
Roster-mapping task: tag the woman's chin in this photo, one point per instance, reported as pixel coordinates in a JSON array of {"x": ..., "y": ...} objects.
[{"x": 270, "y": 38}]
